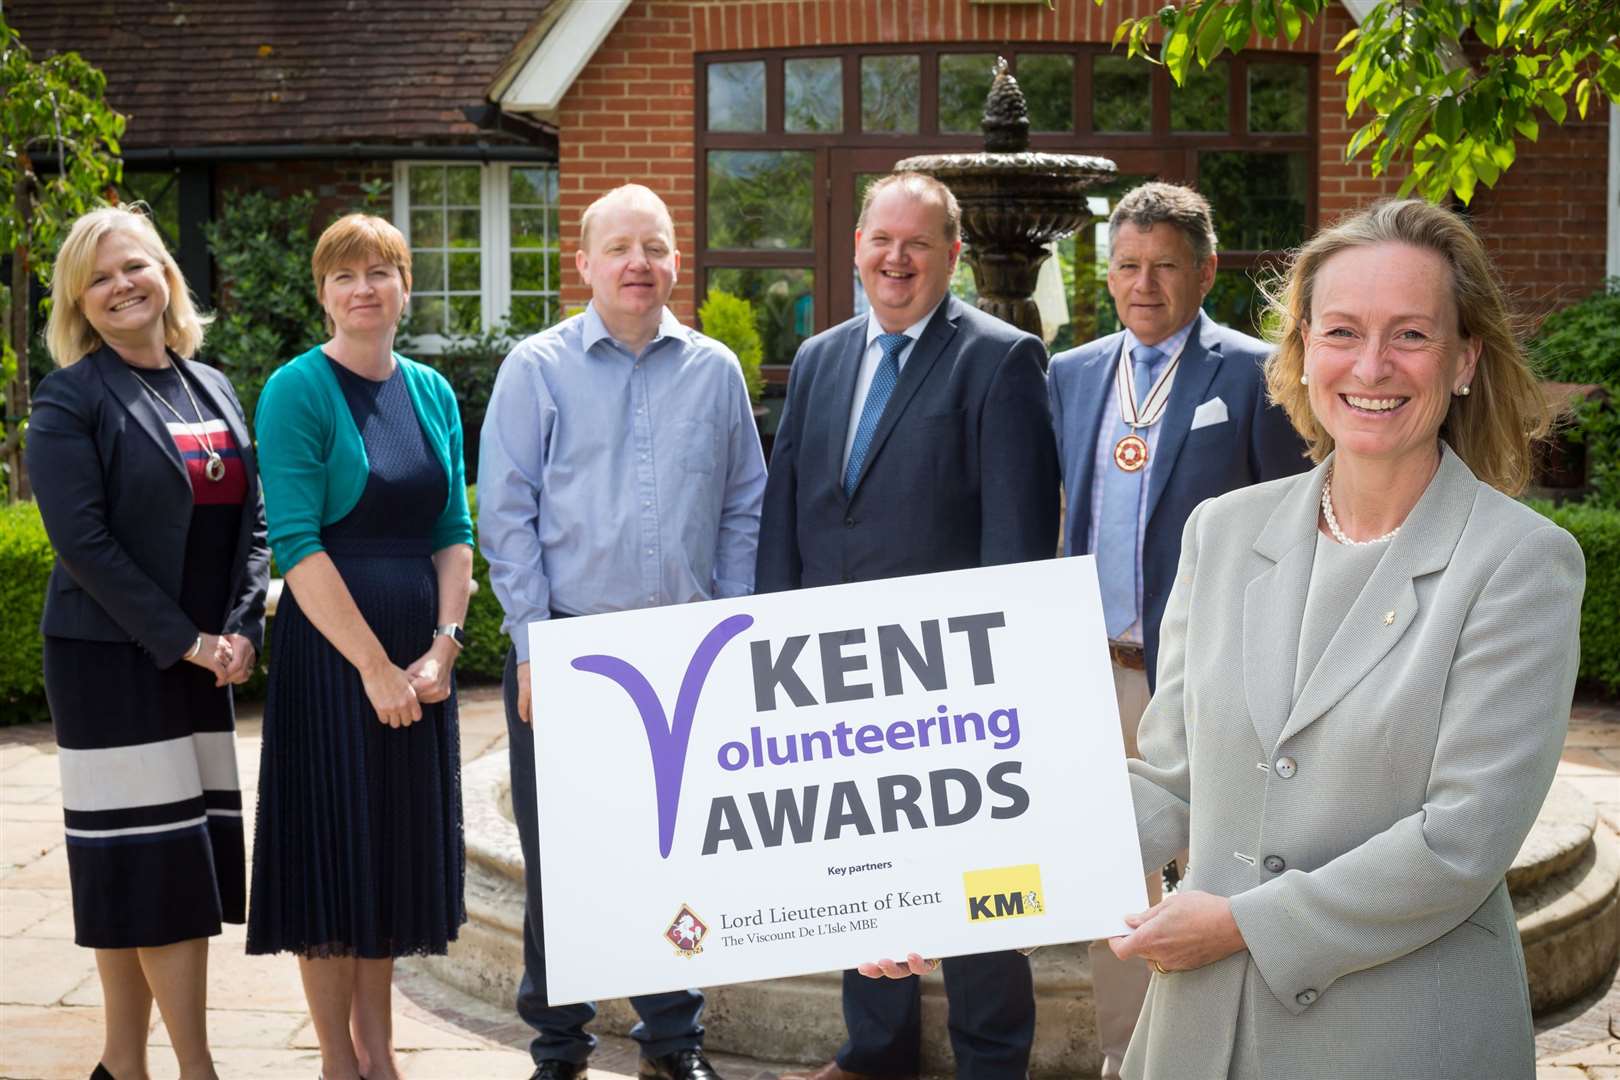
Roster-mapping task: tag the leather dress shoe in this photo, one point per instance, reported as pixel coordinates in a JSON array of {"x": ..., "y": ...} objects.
[
  {"x": 688, "y": 1064},
  {"x": 559, "y": 1070},
  {"x": 832, "y": 1071}
]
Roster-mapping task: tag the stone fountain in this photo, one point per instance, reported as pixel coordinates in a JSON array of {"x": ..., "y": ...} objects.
[{"x": 1015, "y": 202}]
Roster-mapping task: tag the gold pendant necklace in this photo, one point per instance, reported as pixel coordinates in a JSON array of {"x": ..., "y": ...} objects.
[{"x": 214, "y": 470}]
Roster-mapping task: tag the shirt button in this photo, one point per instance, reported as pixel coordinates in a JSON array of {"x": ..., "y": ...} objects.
[
  {"x": 1275, "y": 864},
  {"x": 849, "y": 523},
  {"x": 649, "y": 551},
  {"x": 1306, "y": 997},
  {"x": 1286, "y": 767}
]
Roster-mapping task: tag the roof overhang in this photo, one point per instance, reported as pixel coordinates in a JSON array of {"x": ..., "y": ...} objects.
[{"x": 563, "y": 42}]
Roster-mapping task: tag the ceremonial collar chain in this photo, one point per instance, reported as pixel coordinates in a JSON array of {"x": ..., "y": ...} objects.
[{"x": 1131, "y": 452}]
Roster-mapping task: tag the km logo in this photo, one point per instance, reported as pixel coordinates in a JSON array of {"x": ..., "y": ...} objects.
[{"x": 667, "y": 740}]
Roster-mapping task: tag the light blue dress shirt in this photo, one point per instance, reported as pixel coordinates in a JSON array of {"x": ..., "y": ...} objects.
[
  {"x": 609, "y": 481},
  {"x": 1103, "y": 460}
]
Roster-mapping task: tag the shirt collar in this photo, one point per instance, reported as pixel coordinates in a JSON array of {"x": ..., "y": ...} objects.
[
  {"x": 914, "y": 331},
  {"x": 593, "y": 329},
  {"x": 1170, "y": 347}
]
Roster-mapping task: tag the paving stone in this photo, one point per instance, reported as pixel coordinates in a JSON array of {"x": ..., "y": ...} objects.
[
  {"x": 22, "y": 908},
  {"x": 37, "y": 770},
  {"x": 1605, "y": 1053},
  {"x": 48, "y": 1043},
  {"x": 245, "y": 1029},
  {"x": 410, "y": 1033},
  {"x": 21, "y": 842},
  {"x": 42, "y": 972},
  {"x": 50, "y": 810},
  {"x": 1559, "y": 1072}
]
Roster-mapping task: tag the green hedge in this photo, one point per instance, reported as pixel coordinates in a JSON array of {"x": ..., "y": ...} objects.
[
  {"x": 25, "y": 566},
  {"x": 485, "y": 655},
  {"x": 1598, "y": 530}
]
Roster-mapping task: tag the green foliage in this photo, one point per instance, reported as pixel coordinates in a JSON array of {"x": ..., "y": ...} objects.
[
  {"x": 469, "y": 364},
  {"x": 730, "y": 320},
  {"x": 268, "y": 313},
  {"x": 1598, "y": 531},
  {"x": 484, "y": 659},
  {"x": 1581, "y": 344},
  {"x": 1452, "y": 85},
  {"x": 55, "y": 106},
  {"x": 25, "y": 567}
]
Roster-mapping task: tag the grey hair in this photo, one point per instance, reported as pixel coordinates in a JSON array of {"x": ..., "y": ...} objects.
[{"x": 1153, "y": 202}]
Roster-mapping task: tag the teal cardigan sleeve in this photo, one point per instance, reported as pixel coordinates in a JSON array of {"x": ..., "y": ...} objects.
[
  {"x": 294, "y": 425},
  {"x": 455, "y": 522}
]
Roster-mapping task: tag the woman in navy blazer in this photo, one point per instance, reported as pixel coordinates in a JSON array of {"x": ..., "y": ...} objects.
[{"x": 145, "y": 478}]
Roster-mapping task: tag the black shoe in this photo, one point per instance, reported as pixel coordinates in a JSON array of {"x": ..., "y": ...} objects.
[
  {"x": 101, "y": 1073},
  {"x": 559, "y": 1070},
  {"x": 689, "y": 1064}
]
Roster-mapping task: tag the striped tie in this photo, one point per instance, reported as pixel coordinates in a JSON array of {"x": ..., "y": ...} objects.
[{"x": 877, "y": 396}]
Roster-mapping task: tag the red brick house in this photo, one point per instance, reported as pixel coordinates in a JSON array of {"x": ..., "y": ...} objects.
[{"x": 758, "y": 120}]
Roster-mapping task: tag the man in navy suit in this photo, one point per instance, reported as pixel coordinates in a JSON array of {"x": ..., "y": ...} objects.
[
  {"x": 916, "y": 438},
  {"x": 1151, "y": 421}
]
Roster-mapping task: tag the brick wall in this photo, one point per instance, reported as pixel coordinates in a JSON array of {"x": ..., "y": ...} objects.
[{"x": 629, "y": 117}]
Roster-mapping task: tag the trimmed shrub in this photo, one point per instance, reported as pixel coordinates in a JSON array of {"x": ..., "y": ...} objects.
[
  {"x": 1581, "y": 344},
  {"x": 25, "y": 567},
  {"x": 484, "y": 659},
  {"x": 730, "y": 320},
  {"x": 1597, "y": 528}
]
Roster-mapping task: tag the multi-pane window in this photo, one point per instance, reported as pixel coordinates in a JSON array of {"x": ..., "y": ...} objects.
[
  {"x": 788, "y": 139},
  {"x": 484, "y": 248}
]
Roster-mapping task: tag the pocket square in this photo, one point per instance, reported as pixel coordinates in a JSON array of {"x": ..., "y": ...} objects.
[{"x": 1210, "y": 412}]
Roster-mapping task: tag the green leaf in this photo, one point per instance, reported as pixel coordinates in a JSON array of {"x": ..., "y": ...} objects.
[
  {"x": 1528, "y": 127},
  {"x": 1555, "y": 106},
  {"x": 1239, "y": 25},
  {"x": 1178, "y": 54},
  {"x": 1211, "y": 36},
  {"x": 1348, "y": 39},
  {"x": 1448, "y": 120},
  {"x": 1265, "y": 17},
  {"x": 1293, "y": 23},
  {"x": 1463, "y": 180},
  {"x": 1583, "y": 96}
]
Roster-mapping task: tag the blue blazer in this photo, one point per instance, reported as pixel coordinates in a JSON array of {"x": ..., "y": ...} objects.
[
  {"x": 962, "y": 471},
  {"x": 1255, "y": 442},
  {"x": 117, "y": 504}
]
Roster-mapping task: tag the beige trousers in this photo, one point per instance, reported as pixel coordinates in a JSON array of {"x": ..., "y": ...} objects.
[{"x": 1120, "y": 986}]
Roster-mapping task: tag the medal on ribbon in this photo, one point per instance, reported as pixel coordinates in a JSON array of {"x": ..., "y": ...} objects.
[{"x": 1131, "y": 451}]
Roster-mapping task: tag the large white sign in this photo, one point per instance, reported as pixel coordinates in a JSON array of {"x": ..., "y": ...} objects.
[{"x": 799, "y": 782}]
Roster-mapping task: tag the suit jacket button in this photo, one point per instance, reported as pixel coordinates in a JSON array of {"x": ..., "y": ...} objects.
[
  {"x": 1286, "y": 767},
  {"x": 849, "y": 523},
  {"x": 1306, "y": 997},
  {"x": 1275, "y": 864}
]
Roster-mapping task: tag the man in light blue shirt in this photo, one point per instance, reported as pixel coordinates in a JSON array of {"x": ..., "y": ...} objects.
[{"x": 619, "y": 467}]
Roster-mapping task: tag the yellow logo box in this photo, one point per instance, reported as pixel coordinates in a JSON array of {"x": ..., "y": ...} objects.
[{"x": 1007, "y": 892}]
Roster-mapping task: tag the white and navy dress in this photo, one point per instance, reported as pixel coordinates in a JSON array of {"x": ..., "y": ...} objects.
[{"x": 150, "y": 796}]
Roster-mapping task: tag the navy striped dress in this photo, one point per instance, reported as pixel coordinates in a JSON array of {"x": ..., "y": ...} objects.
[
  {"x": 150, "y": 795},
  {"x": 358, "y": 845}
]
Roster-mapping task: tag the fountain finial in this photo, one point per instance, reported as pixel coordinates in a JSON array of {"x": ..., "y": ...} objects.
[{"x": 1006, "y": 115}]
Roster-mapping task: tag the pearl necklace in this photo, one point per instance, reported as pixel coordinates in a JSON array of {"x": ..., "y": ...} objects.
[{"x": 1333, "y": 522}]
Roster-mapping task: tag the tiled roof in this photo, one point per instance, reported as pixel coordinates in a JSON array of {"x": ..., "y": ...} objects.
[{"x": 193, "y": 73}]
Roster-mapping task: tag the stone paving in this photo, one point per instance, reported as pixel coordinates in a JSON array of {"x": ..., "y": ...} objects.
[{"x": 50, "y": 998}]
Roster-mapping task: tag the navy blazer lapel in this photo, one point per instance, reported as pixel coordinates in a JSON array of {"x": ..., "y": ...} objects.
[
  {"x": 1200, "y": 360},
  {"x": 127, "y": 389},
  {"x": 935, "y": 336},
  {"x": 1096, "y": 396},
  {"x": 848, "y": 349}
]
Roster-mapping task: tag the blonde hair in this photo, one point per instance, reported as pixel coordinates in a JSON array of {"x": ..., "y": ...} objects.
[
  {"x": 636, "y": 195},
  {"x": 358, "y": 236},
  {"x": 1492, "y": 428},
  {"x": 919, "y": 186},
  {"x": 68, "y": 334}
]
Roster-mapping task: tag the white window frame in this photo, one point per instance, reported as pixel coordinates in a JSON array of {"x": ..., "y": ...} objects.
[{"x": 495, "y": 237}]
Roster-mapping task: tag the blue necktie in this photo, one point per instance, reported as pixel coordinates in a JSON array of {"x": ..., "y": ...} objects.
[
  {"x": 1121, "y": 509},
  {"x": 877, "y": 396}
]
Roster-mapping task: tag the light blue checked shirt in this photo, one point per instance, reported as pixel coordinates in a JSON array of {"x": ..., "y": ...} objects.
[
  {"x": 609, "y": 481},
  {"x": 1103, "y": 460}
]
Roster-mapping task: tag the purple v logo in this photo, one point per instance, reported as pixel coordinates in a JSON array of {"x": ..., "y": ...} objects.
[{"x": 667, "y": 741}]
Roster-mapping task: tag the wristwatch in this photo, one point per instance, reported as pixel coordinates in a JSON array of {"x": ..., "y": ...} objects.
[{"x": 452, "y": 631}]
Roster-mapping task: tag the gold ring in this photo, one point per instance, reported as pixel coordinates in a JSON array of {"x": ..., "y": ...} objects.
[{"x": 1158, "y": 967}]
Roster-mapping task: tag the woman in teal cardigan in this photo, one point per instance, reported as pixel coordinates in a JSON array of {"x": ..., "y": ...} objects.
[{"x": 358, "y": 853}]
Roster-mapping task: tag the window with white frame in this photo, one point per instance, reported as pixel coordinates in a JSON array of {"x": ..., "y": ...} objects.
[{"x": 484, "y": 248}]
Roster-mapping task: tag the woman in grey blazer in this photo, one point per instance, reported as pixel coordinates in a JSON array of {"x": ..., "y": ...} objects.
[
  {"x": 1363, "y": 693},
  {"x": 1363, "y": 687}
]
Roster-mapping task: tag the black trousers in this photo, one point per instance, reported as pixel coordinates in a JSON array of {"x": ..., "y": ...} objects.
[{"x": 991, "y": 1019}]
